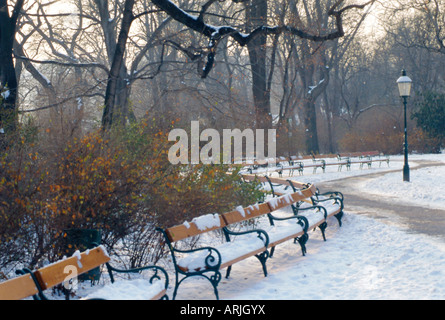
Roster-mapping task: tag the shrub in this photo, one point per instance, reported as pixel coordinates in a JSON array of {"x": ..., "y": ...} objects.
[
  {"x": 430, "y": 118},
  {"x": 422, "y": 142},
  {"x": 120, "y": 182},
  {"x": 418, "y": 141},
  {"x": 391, "y": 143}
]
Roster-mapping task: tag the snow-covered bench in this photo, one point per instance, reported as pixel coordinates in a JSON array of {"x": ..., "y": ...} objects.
[
  {"x": 321, "y": 161},
  {"x": 283, "y": 224},
  {"x": 290, "y": 165},
  {"x": 61, "y": 272},
  {"x": 363, "y": 158},
  {"x": 332, "y": 200}
]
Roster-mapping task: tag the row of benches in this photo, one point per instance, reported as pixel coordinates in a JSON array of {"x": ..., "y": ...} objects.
[
  {"x": 287, "y": 217},
  {"x": 298, "y": 163}
]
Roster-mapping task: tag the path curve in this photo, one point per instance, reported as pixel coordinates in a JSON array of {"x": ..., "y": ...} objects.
[{"x": 417, "y": 218}]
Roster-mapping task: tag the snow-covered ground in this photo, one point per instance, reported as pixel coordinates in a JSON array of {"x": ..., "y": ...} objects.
[
  {"x": 366, "y": 258},
  {"x": 426, "y": 187}
]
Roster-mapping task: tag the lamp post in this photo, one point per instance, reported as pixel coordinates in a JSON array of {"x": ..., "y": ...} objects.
[{"x": 404, "y": 84}]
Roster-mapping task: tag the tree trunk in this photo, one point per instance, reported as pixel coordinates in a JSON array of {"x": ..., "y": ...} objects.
[
  {"x": 111, "y": 112},
  {"x": 310, "y": 123},
  {"x": 8, "y": 78},
  {"x": 256, "y": 15}
]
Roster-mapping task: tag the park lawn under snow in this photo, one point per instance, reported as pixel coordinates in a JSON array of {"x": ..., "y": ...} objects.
[
  {"x": 425, "y": 189},
  {"x": 366, "y": 258}
]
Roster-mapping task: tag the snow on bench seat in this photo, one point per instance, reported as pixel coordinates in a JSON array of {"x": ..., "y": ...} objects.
[
  {"x": 283, "y": 232},
  {"x": 332, "y": 207},
  {"x": 137, "y": 289},
  {"x": 230, "y": 252}
]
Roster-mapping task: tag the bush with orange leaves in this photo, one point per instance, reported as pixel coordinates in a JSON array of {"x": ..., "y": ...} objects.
[{"x": 120, "y": 183}]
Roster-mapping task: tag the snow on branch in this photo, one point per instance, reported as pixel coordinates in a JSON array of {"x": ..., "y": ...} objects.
[{"x": 215, "y": 33}]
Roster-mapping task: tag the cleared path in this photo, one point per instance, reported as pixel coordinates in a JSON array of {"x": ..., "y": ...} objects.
[{"x": 416, "y": 218}]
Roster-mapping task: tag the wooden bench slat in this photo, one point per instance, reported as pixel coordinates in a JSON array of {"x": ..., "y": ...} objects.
[
  {"x": 18, "y": 288},
  {"x": 249, "y": 213},
  {"x": 67, "y": 269},
  {"x": 287, "y": 199},
  {"x": 160, "y": 295},
  {"x": 190, "y": 229}
]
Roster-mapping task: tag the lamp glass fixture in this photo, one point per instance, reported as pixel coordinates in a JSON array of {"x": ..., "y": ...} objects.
[{"x": 404, "y": 83}]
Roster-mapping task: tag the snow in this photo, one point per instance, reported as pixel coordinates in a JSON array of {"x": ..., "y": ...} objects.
[
  {"x": 79, "y": 103},
  {"x": 205, "y": 222},
  {"x": 79, "y": 257},
  {"x": 5, "y": 94},
  {"x": 366, "y": 258},
  {"x": 430, "y": 194},
  {"x": 43, "y": 77},
  {"x": 229, "y": 251},
  {"x": 311, "y": 88},
  {"x": 136, "y": 289},
  {"x": 240, "y": 209}
]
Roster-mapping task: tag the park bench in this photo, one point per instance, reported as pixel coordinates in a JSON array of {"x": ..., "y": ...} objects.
[
  {"x": 299, "y": 163},
  {"x": 279, "y": 167},
  {"x": 294, "y": 163},
  {"x": 332, "y": 201},
  {"x": 363, "y": 158},
  {"x": 278, "y": 188},
  {"x": 34, "y": 283},
  {"x": 318, "y": 162},
  {"x": 377, "y": 157},
  {"x": 280, "y": 224},
  {"x": 343, "y": 161}
]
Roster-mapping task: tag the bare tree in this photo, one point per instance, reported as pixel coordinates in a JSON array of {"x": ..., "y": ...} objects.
[
  {"x": 254, "y": 37},
  {"x": 253, "y": 34}
]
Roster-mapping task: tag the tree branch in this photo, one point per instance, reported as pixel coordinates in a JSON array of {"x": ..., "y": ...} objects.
[
  {"x": 87, "y": 93},
  {"x": 215, "y": 33},
  {"x": 65, "y": 64}
]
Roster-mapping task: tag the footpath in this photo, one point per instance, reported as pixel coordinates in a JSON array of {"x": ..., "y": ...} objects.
[{"x": 418, "y": 219}]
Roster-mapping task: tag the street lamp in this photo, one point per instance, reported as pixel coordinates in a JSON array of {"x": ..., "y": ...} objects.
[{"x": 404, "y": 83}]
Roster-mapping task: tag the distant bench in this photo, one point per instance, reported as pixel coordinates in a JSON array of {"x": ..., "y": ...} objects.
[
  {"x": 285, "y": 222},
  {"x": 34, "y": 283},
  {"x": 297, "y": 163},
  {"x": 363, "y": 158}
]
